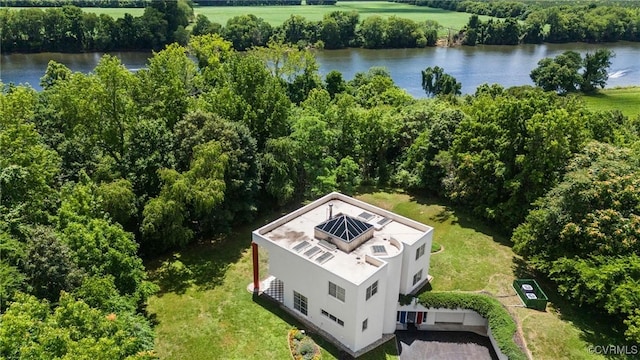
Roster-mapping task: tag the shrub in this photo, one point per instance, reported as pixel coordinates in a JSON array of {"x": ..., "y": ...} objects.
[{"x": 302, "y": 346}]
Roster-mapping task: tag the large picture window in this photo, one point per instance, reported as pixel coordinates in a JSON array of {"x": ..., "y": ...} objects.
[
  {"x": 372, "y": 290},
  {"x": 336, "y": 291},
  {"x": 300, "y": 302}
]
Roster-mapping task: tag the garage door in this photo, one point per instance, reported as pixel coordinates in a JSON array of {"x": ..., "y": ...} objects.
[{"x": 451, "y": 318}]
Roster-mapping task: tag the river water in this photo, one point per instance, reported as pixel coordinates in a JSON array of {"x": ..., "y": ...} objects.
[{"x": 472, "y": 66}]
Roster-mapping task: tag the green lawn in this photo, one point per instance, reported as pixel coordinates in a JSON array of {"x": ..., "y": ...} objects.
[
  {"x": 205, "y": 312},
  {"x": 477, "y": 259},
  {"x": 276, "y": 15},
  {"x": 626, "y": 99}
]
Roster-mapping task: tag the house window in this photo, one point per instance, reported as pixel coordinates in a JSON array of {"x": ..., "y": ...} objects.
[
  {"x": 420, "y": 251},
  {"x": 417, "y": 277},
  {"x": 300, "y": 302},
  {"x": 332, "y": 317},
  {"x": 365, "y": 324},
  {"x": 372, "y": 290},
  {"x": 336, "y": 291}
]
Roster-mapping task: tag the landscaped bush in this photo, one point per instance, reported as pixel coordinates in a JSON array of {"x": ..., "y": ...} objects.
[
  {"x": 501, "y": 323},
  {"x": 302, "y": 346}
]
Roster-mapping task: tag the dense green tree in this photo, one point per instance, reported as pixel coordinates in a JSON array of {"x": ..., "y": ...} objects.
[
  {"x": 118, "y": 200},
  {"x": 562, "y": 73},
  {"x": 185, "y": 199},
  {"x": 98, "y": 246},
  {"x": 401, "y": 33},
  {"x": 246, "y": 31},
  {"x": 436, "y": 82},
  {"x": 204, "y": 26},
  {"x": 12, "y": 279},
  {"x": 27, "y": 166},
  {"x": 242, "y": 175},
  {"x": 334, "y": 83},
  {"x": 49, "y": 265},
  {"x": 510, "y": 150},
  {"x": 595, "y": 70},
  {"x": 166, "y": 84},
  {"x": 296, "y": 30},
  {"x": 338, "y": 29},
  {"x": 373, "y": 32},
  {"x": 55, "y": 72},
  {"x": 150, "y": 142},
  {"x": 29, "y": 329},
  {"x": 281, "y": 168},
  {"x": 559, "y": 74},
  {"x": 250, "y": 94},
  {"x": 174, "y": 13}
]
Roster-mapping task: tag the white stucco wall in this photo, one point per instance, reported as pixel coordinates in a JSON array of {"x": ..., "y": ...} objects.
[
  {"x": 312, "y": 281},
  {"x": 410, "y": 266}
]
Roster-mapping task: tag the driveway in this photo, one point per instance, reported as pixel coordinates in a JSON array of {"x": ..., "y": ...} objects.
[{"x": 444, "y": 345}]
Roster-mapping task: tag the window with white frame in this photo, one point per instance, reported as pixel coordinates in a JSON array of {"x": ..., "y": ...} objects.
[
  {"x": 417, "y": 277},
  {"x": 365, "y": 324},
  {"x": 420, "y": 251},
  {"x": 300, "y": 302},
  {"x": 372, "y": 290},
  {"x": 336, "y": 291}
]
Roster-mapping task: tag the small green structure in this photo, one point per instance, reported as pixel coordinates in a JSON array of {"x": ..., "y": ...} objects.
[{"x": 531, "y": 294}]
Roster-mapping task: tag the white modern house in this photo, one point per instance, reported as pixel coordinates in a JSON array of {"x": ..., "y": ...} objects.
[{"x": 339, "y": 264}]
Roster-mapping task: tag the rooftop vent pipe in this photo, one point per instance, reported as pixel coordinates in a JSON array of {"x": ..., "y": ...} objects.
[{"x": 330, "y": 210}]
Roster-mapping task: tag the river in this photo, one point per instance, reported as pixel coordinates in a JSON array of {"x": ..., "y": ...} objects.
[{"x": 472, "y": 66}]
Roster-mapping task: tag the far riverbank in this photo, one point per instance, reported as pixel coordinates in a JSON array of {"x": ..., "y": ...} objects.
[{"x": 472, "y": 66}]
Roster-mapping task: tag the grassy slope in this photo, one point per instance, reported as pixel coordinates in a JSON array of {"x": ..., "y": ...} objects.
[
  {"x": 276, "y": 15},
  {"x": 475, "y": 258},
  {"x": 625, "y": 99},
  {"x": 209, "y": 314}
]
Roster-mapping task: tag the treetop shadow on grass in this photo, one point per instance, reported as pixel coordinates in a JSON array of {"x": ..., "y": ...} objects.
[
  {"x": 204, "y": 264},
  {"x": 460, "y": 216},
  {"x": 596, "y": 328}
]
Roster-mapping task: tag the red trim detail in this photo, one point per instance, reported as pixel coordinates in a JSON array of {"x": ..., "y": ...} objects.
[{"x": 256, "y": 268}]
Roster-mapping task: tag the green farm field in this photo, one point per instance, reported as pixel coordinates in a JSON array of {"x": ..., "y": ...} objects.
[
  {"x": 276, "y": 15},
  {"x": 626, "y": 99}
]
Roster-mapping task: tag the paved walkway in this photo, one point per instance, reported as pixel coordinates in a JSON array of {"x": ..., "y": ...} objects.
[{"x": 444, "y": 345}]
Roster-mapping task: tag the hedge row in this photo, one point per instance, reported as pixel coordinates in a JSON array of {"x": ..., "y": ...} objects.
[
  {"x": 500, "y": 322},
  {"x": 78, "y": 3}
]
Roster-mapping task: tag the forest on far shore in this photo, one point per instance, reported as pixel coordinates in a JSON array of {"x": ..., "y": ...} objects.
[{"x": 69, "y": 29}]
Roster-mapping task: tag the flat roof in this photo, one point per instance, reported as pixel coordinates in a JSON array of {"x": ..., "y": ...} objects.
[{"x": 295, "y": 232}]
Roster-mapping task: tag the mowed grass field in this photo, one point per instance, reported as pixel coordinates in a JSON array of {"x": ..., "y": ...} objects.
[
  {"x": 204, "y": 310},
  {"x": 276, "y": 15},
  {"x": 626, "y": 99}
]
